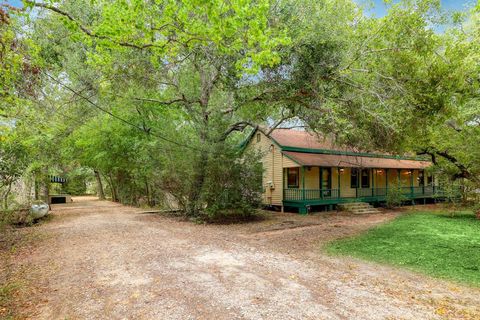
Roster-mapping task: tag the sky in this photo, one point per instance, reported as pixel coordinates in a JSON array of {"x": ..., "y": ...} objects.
[{"x": 380, "y": 8}]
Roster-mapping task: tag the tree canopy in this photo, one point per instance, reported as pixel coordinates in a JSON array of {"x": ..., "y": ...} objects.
[{"x": 155, "y": 96}]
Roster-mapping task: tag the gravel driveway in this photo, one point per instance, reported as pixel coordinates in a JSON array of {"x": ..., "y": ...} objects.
[{"x": 100, "y": 260}]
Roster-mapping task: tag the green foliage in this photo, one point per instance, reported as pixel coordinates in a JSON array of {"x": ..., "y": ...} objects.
[
  {"x": 430, "y": 242},
  {"x": 13, "y": 161},
  {"x": 233, "y": 187},
  {"x": 451, "y": 191},
  {"x": 395, "y": 197},
  {"x": 77, "y": 180},
  {"x": 10, "y": 58},
  {"x": 155, "y": 95}
]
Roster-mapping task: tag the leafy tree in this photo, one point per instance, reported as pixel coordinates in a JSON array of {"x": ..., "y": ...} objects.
[
  {"x": 153, "y": 96},
  {"x": 13, "y": 161}
]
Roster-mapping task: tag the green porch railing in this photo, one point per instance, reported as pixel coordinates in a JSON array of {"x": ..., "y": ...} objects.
[
  {"x": 379, "y": 193},
  {"x": 310, "y": 194}
]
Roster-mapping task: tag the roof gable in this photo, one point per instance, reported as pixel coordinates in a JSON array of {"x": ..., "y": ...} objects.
[{"x": 306, "y": 142}]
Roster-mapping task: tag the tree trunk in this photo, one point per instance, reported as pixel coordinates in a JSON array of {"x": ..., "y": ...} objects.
[
  {"x": 46, "y": 187},
  {"x": 147, "y": 190},
  {"x": 100, "y": 193},
  {"x": 5, "y": 196},
  {"x": 36, "y": 188},
  {"x": 113, "y": 189},
  {"x": 194, "y": 202},
  {"x": 208, "y": 78}
]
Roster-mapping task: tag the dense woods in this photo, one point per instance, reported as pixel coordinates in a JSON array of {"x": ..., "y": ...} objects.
[{"x": 147, "y": 102}]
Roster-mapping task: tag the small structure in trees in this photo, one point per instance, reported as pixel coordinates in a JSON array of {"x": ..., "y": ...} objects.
[{"x": 302, "y": 170}]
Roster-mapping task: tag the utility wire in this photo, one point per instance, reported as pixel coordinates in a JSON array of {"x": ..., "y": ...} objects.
[{"x": 117, "y": 117}]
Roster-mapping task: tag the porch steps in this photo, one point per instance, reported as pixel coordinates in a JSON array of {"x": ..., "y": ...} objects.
[{"x": 358, "y": 208}]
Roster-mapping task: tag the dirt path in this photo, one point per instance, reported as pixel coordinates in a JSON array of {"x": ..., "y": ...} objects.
[{"x": 99, "y": 260}]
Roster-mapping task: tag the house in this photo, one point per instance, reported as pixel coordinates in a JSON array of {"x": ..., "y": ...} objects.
[{"x": 302, "y": 170}]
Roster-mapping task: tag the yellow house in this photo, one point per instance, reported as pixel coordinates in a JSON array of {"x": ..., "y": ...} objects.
[{"x": 302, "y": 170}]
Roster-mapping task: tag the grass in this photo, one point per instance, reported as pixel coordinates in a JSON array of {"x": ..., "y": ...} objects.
[
  {"x": 7, "y": 292},
  {"x": 434, "y": 243}
]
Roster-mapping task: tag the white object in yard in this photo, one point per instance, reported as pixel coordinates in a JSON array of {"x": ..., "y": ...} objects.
[{"x": 39, "y": 209}]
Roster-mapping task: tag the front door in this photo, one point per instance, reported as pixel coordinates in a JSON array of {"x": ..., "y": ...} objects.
[{"x": 326, "y": 181}]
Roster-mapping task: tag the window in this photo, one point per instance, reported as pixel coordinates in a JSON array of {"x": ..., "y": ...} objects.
[
  {"x": 293, "y": 177},
  {"x": 258, "y": 137},
  {"x": 360, "y": 178},
  {"x": 354, "y": 178},
  {"x": 365, "y": 178}
]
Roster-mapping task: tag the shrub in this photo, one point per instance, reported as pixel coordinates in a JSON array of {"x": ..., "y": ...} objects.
[
  {"x": 476, "y": 210},
  {"x": 395, "y": 197},
  {"x": 233, "y": 186},
  {"x": 18, "y": 216}
]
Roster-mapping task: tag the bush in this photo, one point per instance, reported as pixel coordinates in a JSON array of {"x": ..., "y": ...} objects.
[
  {"x": 19, "y": 216},
  {"x": 233, "y": 186},
  {"x": 395, "y": 197},
  {"x": 476, "y": 210}
]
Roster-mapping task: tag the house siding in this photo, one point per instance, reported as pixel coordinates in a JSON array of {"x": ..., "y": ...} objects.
[
  {"x": 275, "y": 164},
  {"x": 272, "y": 161}
]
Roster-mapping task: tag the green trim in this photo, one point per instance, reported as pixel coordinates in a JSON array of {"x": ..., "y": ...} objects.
[
  {"x": 374, "y": 175},
  {"x": 321, "y": 180},
  {"x": 286, "y": 155},
  {"x": 411, "y": 182},
  {"x": 303, "y": 183},
  {"x": 302, "y": 210},
  {"x": 244, "y": 144},
  {"x": 348, "y": 153},
  {"x": 386, "y": 178},
  {"x": 372, "y": 199},
  {"x": 339, "y": 178}
]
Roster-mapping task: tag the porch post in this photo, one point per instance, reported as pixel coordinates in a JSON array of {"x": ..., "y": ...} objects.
[
  {"x": 303, "y": 208},
  {"x": 424, "y": 176},
  {"x": 411, "y": 182},
  {"x": 399, "y": 178},
  {"x": 321, "y": 182},
  {"x": 303, "y": 183},
  {"x": 359, "y": 177},
  {"x": 386, "y": 181},
  {"x": 338, "y": 173},
  {"x": 374, "y": 174}
]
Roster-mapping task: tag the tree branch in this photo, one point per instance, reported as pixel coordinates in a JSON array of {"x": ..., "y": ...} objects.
[
  {"x": 239, "y": 126},
  {"x": 464, "y": 172},
  {"x": 87, "y": 31}
]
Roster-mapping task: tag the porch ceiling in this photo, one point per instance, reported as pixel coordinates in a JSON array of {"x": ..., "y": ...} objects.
[{"x": 330, "y": 160}]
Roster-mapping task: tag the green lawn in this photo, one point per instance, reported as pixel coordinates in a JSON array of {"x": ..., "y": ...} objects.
[{"x": 430, "y": 242}]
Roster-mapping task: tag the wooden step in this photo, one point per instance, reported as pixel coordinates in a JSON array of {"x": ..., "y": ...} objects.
[{"x": 358, "y": 208}]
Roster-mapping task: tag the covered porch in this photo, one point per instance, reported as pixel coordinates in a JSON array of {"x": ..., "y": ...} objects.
[{"x": 313, "y": 183}]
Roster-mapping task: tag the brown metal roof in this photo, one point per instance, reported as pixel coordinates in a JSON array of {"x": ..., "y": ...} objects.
[
  {"x": 304, "y": 139},
  {"x": 330, "y": 160}
]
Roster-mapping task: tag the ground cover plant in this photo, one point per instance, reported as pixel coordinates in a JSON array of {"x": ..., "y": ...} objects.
[{"x": 434, "y": 243}]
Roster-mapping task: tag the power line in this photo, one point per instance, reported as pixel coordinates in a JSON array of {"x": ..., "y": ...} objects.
[{"x": 117, "y": 117}]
